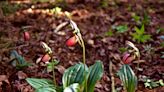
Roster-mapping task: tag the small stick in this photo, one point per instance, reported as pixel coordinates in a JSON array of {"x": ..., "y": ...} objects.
[{"x": 112, "y": 76}]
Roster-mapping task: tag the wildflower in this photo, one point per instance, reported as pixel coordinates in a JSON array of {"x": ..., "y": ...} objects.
[
  {"x": 46, "y": 58},
  {"x": 71, "y": 41},
  {"x": 26, "y": 36},
  {"x": 127, "y": 58}
]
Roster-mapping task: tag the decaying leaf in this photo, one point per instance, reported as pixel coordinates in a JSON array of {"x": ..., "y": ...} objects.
[{"x": 3, "y": 78}]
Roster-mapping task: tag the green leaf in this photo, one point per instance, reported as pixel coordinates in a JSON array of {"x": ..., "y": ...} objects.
[
  {"x": 154, "y": 84},
  {"x": 123, "y": 49},
  {"x": 50, "y": 66},
  {"x": 18, "y": 61},
  {"x": 140, "y": 35},
  {"x": 145, "y": 38},
  {"x": 48, "y": 89},
  {"x": 95, "y": 74},
  {"x": 136, "y": 18},
  {"x": 122, "y": 28},
  {"x": 128, "y": 78},
  {"x": 73, "y": 88},
  {"x": 43, "y": 84},
  {"x": 146, "y": 19},
  {"x": 109, "y": 33},
  {"x": 142, "y": 29},
  {"x": 75, "y": 74},
  {"x": 138, "y": 31}
]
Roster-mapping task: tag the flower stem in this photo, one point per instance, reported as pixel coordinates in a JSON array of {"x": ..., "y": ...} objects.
[
  {"x": 54, "y": 75},
  {"x": 112, "y": 76},
  {"x": 84, "y": 60},
  {"x": 138, "y": 65},
  {"x": 83, "y": 46}
]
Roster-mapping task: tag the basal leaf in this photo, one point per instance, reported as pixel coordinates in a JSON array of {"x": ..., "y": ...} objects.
[
  {"x": 74, "y": 74},
  {"x": 46, "y": 89},
  {"x": 73, "y": 88},
  {"x": 41, "y": 83},
  {"x": 95, "y": 74},
  {"x": 128, "y": 78}
]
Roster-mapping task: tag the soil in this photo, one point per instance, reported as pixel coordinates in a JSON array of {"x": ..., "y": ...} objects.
[{"x": 94, "y": 20}]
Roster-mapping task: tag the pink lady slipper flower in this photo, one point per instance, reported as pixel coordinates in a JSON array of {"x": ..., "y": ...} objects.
[
  {"x": 127, "y": 58},
  {"x": 71, "y": 41},
  {"x": 26, "y": 36},
  {"x": 46, "y": 58}
]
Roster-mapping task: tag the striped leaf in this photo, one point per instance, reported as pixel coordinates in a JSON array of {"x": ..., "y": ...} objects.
[
  {"x": 41, "y": 85},
  {"x": 128, "y": 78},
  {"x": 74, "y": 74},
  {"x": 73, "y": 88},
  {"x": 95, "y": 74}
]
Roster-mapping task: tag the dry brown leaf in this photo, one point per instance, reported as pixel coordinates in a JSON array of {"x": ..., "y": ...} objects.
[
  {"x": 3, "y": 78},
  {"x": 21, "y": 75}
]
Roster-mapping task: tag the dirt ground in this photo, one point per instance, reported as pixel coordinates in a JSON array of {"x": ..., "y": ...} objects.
[{"x": 94, "y": 21}]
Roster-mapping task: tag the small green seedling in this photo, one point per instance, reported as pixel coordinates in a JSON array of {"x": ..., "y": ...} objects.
[
  {"x": 145, "y": 20},
  {"x": 153, "y": 84},
  {"x": 140, "y": 36},
  {"x": 136, "y": 18},
  {"x": 123, "y": 49},
  {"x": 56, "y": 10},
  {"x": 148, "y": 48},
  {"x": 121, "y": 28},
  {"x": 109, "y": 33}
]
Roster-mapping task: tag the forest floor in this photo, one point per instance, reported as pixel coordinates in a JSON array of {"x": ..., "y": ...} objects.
[{"x": 99, "y": 24}]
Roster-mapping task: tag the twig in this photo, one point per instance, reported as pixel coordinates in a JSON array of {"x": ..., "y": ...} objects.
[{"x": 112, "y": 76}]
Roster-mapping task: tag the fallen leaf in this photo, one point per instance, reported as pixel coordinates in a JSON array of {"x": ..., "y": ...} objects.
[
  {"x": 21, "y": 75},
  {"x": 60, "y": 68},
  {"x": 3, "y": 78}
]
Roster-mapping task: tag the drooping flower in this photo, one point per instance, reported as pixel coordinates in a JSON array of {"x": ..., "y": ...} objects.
[
  {"x": 46, "y": 58},
  {"x": 71, "y": 41},
  {"x": 127, "y": 58},
  {"x": 26, "y": 36}
]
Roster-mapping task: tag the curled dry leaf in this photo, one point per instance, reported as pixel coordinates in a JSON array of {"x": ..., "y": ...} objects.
[
  {"x": 46, "y": 47},
  {"x": 21, "y": 75},
  {"x": 39, "y": 59},
  {"x": 137, "y": 53},
  {"x": 139, "y": 61},
  {"x": 60, "y": 68},
  {"x": 59, "y": 27},
  {"x": 3, "y": 78},
  {"x": 132, "y": 45}
]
